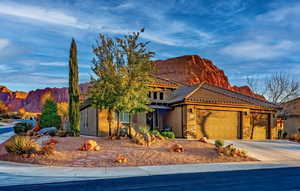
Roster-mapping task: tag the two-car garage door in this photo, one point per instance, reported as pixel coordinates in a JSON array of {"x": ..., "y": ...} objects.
[
  {"x": 218, "y": 124},
  {"x": 227, "y": 124}
]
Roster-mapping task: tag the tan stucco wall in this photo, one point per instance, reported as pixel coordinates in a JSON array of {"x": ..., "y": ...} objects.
[
  {"x": 88, "y": 122},
  {"x": 173, "y": 119},
  {"x": 139, "y": 119},
  {"x": 291, "y": 125},
  {"x": 291, "y": 110}
]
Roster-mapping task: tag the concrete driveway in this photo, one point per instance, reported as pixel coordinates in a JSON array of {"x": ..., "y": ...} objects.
[{"x": 269, "y": 150}]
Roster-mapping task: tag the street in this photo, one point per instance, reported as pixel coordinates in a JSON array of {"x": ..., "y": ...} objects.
[{"x": 264, "y": 179}]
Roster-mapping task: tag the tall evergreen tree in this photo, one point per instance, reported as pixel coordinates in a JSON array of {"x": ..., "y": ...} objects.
[
  {"x": 49, "y": 117},
  {"x": 74, "y": 112}
]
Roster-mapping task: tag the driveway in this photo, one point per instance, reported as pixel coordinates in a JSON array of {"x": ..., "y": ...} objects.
[{"x": 269, "y": 150}]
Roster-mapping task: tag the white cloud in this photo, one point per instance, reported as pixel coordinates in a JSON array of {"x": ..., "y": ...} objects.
[
  {"x": 41, "y": 14},
  {"x": 289, "y": 13},
  {"x": 253, "y": 50},
  {"x": 53, "y": 64},
  {"x": 6, "y": 69},
  {"x": 3, "y": 43}
]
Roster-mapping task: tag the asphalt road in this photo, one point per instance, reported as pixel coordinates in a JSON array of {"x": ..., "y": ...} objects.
[{"x": 266, "y": 179}]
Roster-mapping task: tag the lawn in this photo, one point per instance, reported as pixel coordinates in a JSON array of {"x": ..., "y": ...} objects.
[{"x": 68, "y": 153}]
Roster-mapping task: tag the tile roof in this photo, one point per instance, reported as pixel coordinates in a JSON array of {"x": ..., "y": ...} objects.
[{"x": 207, "y": 93}]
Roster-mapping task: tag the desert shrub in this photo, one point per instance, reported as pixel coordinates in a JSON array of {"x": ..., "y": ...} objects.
[
  {"x": 21, "y": 145},
  {"x": 144, "y": 130},
  {"x": 219, "y": 143},
  {"x": 232, "y": 151},
  {"x": 295, "y": 137},
  {"x": 22, "y": 128},
  {"x": 49, "y": 117},
  {"x": 48, "y": 149},
  {"x": 168, "y": 134}
]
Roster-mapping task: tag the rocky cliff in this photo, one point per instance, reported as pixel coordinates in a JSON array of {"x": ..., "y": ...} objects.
[
  {"x": 185, "y": 69},
  {"x": 31, "y": 101},
  {"x": 193, "y": 69}
]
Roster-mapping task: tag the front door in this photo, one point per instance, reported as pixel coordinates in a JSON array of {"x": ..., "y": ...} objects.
[{"x": 153, "y": 120}]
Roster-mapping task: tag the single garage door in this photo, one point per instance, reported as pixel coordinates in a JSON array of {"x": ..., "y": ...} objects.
[
  {"x": 259, "y": 126},
  {"x": 218, "y": 124}
]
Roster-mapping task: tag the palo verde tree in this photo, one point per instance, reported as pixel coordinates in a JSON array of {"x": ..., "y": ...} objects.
[
  {"x": 74, "y": 112},
  {"x": 123, "y": 69}
]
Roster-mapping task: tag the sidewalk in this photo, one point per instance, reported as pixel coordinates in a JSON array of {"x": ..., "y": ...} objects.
[{"x": 19, "y": 174}]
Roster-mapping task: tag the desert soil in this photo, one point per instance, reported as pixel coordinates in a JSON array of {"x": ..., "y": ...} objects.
[{"x": 68, "y": 153}]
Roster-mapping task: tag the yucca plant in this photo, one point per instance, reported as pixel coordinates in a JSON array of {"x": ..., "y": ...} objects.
[{"x": 22, "y": 145}]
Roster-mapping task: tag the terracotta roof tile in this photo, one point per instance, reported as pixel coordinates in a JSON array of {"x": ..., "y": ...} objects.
[{"x": 207, "y": 93}]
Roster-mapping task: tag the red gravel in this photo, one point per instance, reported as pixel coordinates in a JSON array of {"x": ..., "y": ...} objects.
[{"x": 157, "y": 154}]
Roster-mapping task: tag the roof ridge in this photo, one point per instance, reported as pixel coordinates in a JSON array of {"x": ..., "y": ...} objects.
[
  {"x": 168, "y": 80},
  {"x": 194, "y": 90}
]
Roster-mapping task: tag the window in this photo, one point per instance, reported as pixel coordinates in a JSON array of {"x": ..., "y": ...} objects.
[
  {"x": 154, "y": 95},
  {"x": 123, "y": 117},
  {"x": 161, "y": 95},
  {"x": 149, "y": 94}
]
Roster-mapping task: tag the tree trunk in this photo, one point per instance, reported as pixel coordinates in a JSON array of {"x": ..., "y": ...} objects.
[
  {"x": 109, "y": 119},
  {"x": 118, "y": 125}
]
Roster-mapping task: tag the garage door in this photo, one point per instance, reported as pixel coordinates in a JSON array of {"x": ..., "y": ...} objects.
[
  {"x": 259, "y": 124},
  {"x": 218, "y": 124}
]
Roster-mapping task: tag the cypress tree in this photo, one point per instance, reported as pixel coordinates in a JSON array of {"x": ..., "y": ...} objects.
[{"x": 74, "y": 113}]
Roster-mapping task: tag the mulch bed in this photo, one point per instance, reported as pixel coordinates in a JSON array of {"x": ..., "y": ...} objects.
[{"x": 68, "y": 154}]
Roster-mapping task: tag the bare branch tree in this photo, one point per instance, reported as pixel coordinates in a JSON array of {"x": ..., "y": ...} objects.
[
  {"x": 277, "y": 88},
  {"x": 281, "y": 87},
  {"x": 254, "y": 84}
]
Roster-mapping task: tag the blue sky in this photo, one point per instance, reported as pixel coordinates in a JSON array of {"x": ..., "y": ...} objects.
[{"x": 242, "y": 37}]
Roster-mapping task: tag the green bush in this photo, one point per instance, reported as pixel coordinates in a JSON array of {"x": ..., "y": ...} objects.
[
  {"x": 154, "y": 132},
  {"x": 168, "y": 134},
  {"x": 22, "y": 128},
  {"x": 21, "y": 145},
  {"x": 49, "y": 117},
  {"x": 219, "y": 143}
]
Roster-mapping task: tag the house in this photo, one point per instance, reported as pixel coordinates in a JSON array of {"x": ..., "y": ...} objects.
[
  {"x": 291, "y": 115},
  {"x": 194, "y": 111}
]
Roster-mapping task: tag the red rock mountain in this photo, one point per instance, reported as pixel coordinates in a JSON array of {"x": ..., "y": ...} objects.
[
  {"x": 31, "y": 101},
  {"x": 193, "y": 69},
  {"x": 190, "y": 70}
]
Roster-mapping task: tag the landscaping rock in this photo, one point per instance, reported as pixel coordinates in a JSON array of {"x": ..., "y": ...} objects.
[
  {"x": 177, "y": 148},
  {"x": 47, "y": 131},
  {"x": 203, "y": 140},
  {"x": 90, "y": 145},
  {"x": 121, "y": 159}
]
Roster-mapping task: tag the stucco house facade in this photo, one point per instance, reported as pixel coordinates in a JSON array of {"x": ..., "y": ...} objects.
[
  {"x": 194, "y": 111},
  {"x": 291, "y": 116}
]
